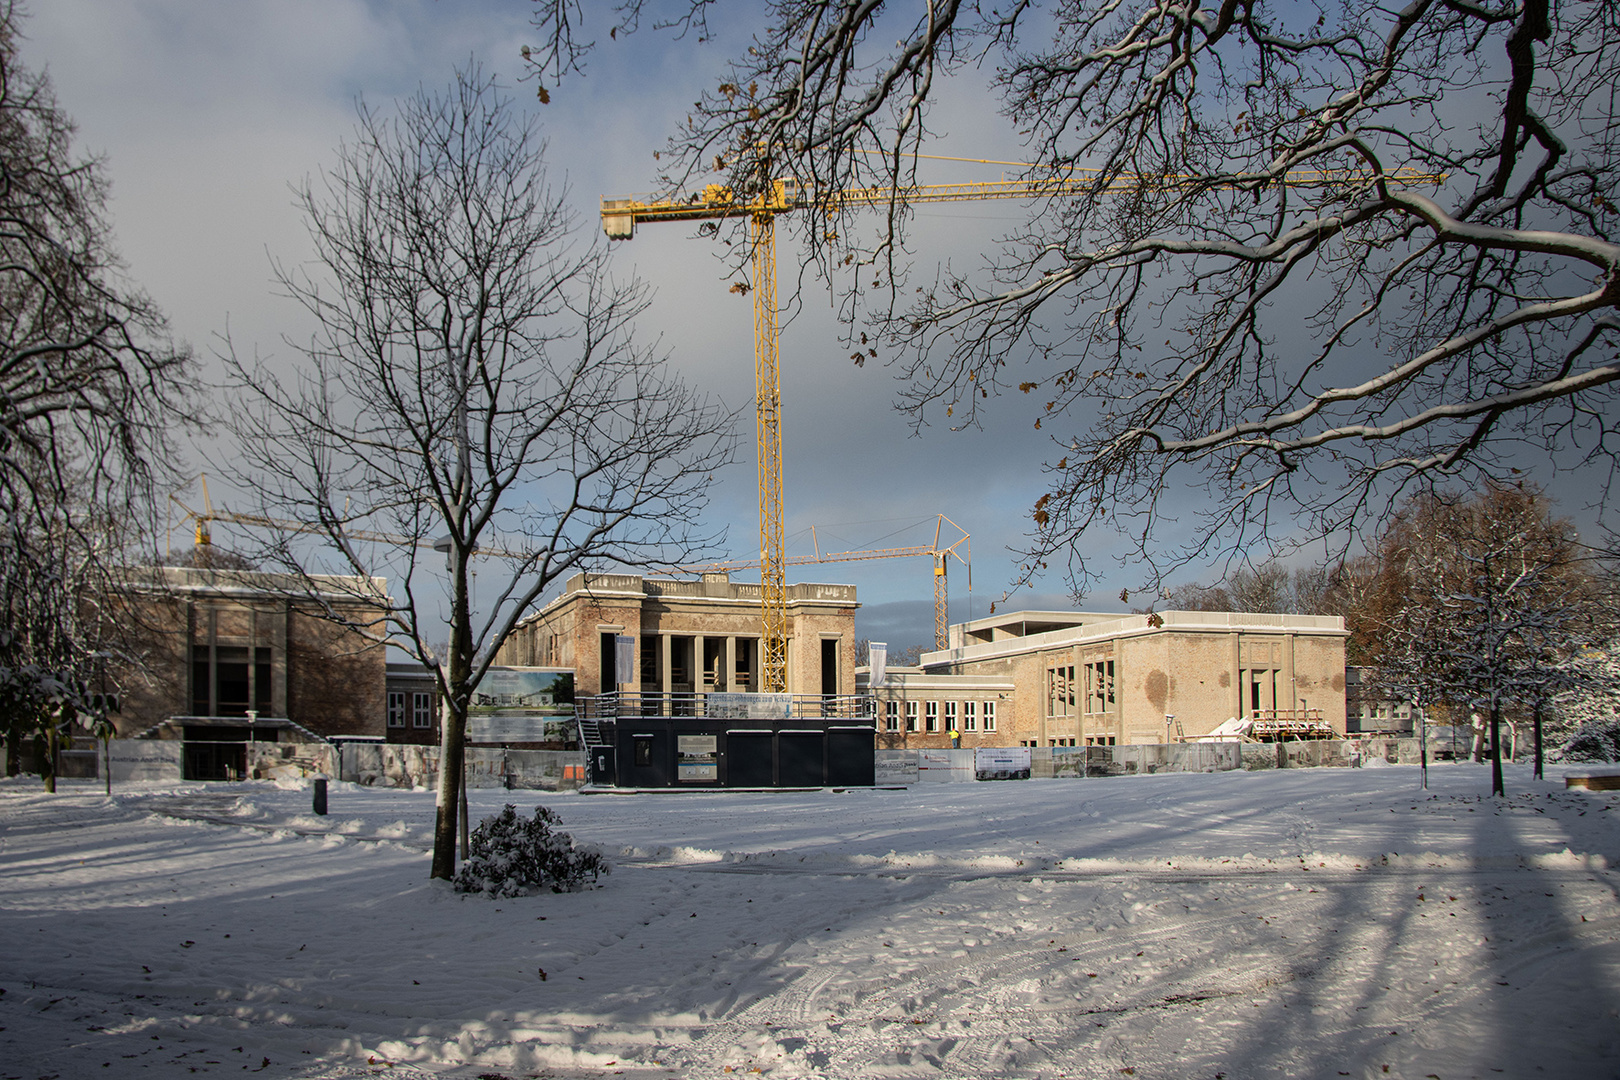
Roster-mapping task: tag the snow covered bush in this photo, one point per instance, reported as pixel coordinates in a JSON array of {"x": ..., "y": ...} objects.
[
  {"x": 1595, "y": 740},
  {"x": 512, "y": 856}
]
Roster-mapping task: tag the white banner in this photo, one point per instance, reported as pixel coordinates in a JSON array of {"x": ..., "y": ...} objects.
[
  {"x": 519, "y": 728},
  {"x": 748, "y": 706},
  {"x": 879, "y": 660},
  {"x": 146, "y": 759},
  {"x": 895, "y": 768},
  {"x": 1001, "y": 763},
  {"x": 624, "y": 659}
]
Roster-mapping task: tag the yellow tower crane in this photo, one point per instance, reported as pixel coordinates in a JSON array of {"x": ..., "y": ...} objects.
[{"x": 779, "y": 196}]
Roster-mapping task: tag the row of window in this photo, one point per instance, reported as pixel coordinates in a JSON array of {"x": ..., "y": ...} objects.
[
  {"x": 416, "y": 705},
  {"x": 968, "y": 712},
  {"x": 1095, "y": 695}
]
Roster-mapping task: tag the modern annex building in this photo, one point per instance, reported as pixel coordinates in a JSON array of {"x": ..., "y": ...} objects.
[{"x": 1058, "y": 678}]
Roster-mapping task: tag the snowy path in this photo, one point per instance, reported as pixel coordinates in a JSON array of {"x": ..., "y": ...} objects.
[{"x": 1304, "y": 923}]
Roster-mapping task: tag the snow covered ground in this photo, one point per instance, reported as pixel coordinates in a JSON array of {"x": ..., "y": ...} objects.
[{"x": 1311, "y": 923}]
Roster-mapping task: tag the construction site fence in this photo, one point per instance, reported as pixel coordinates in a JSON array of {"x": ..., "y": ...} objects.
[
  {"x": 372, "y": 764},
  {"x": 406, "y": 766},
  {"x": 1074, "y": 762}
]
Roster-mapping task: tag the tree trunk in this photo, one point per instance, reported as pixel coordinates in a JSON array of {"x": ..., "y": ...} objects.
[
  {"x": 46, "y": 748},
  {"x": 1497, "y": 787},
  {"x": 1537, "y": 722},
  {"x": 452, "y": 753},
  {"x": 453, "y": 738}
]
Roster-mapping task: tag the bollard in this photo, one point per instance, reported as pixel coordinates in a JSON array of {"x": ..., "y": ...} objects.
[{"x": 318, "y": 787}]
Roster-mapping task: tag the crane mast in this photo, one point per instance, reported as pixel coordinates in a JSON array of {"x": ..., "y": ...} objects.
[{"x": 768, "y": 424}]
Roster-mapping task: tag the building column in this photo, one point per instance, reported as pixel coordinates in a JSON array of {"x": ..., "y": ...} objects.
[
  {"x": 213, "y": 661},
  {"x": 666, "y": 669},
  {"x": 1240, "y": 701},
  {"x": 1288, "y": 674},
  {"x": 253, "y": 658},
  {"x": 730, "y": 681},
  {"x": 278, "y": 661}
]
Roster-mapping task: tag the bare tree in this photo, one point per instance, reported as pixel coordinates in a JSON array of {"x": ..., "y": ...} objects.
[
  {"x": 90, "y": 388},
  {"x": 1432, "y": 295},
  {"x": 472, "y": 384},
  {"x": 1267, "y": 587},
  {"x": 1481, "y": 602}
]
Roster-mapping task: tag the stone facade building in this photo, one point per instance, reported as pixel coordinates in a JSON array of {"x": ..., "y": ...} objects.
[
  {"x": 690, "y": 636},
  {"x": 1049, "y": 678},
  {"x": 234, "y": 656}
]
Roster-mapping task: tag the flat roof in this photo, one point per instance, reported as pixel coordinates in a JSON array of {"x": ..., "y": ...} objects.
[{"x": 1140, "y": 626}]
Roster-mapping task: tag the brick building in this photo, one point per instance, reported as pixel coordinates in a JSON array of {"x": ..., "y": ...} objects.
[
  {"x": 236, "y": 656},
  {"x": 1051, "y": 678},
  {"x": 691, "y": 637}
]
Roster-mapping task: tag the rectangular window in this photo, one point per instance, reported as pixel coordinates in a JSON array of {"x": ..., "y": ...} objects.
[
  {"x": 911, "y": 716},
  {"x": 1060, "y": 696},
  {"x": 989, "y": 716},
  {"x": 931, "y": 716},
  {"x": 422, "y": 709},
  {"x": 1099, "y": 686},
  {"x": 891, "y": 716},
  {"x": 396, "y": 708},
  {"x": 950, "y": 716},
  {"x": 970, "y": 716},
  {"x": 228, "y": 682},
  {"x": 651, "y": 650}
]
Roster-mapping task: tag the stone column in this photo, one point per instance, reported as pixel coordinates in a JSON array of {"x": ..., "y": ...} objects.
[{"x": 666, "y": 668}]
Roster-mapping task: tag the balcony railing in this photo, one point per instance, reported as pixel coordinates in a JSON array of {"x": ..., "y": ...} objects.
[{"x": 718, "y": 706}]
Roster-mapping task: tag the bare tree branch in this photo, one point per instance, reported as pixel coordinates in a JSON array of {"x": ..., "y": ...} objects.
[
  {"x": 1252, "y": 295},
  {"x": 91, "y": 390},
  {"x": 473, "y": 380}
]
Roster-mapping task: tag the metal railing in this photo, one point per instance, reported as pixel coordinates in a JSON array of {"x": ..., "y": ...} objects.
[{"x": 719, "y": 706}]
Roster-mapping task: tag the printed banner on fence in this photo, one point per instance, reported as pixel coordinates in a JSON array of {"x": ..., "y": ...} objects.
[
  {"x": 524, "y": 691},
  {"x": 521, "y": 729},
  {"x": 896, "y": 768},
  {"x": 748, "y": 706},
  {"x": 1001, "y": 763}
]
